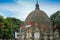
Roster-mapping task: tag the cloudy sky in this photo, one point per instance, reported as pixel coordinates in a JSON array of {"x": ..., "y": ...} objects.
[{"x": 21, "y": 8}]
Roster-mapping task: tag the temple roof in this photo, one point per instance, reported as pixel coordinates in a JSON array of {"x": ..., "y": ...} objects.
[{"x": 37, "y": 15}]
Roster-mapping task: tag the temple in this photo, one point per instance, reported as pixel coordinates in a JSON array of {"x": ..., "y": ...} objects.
[{"x": 37, "y": 26}]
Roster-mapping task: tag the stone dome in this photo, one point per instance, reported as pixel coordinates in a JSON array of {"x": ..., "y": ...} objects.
[{"x": 37, "y": 16}]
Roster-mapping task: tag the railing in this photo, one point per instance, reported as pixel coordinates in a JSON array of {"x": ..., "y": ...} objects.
[{"x": 44, "y": 36}]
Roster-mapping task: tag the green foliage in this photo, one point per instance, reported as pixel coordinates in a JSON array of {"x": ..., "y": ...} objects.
[
  {"x": 7, "y": 31},
  {"x": 55, "y": 19},
  {"x": 53, "y": 16}
]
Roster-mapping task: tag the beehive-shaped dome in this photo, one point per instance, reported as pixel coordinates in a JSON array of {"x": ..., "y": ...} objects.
[{"x": 37, "y": 16}]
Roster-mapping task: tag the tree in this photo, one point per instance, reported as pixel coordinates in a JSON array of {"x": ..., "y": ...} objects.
[
  {"x": 55, "y": 19},
  {"x": 13, "y": 24},
  {"x": 1, "y": 22},
  {"x": 8, "y": 26}
]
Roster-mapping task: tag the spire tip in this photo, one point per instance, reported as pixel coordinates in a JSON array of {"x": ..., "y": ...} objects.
[{"x": 37, "y": 1}]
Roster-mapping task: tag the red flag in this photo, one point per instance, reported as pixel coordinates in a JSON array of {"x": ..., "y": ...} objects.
[
  {"x": 36, "y": 24},
  {"x": 43, "y": 26},
  {"x": 29, "y": 23}
]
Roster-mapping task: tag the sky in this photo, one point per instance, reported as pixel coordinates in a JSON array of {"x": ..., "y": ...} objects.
[{"x": 20, "y": 9}]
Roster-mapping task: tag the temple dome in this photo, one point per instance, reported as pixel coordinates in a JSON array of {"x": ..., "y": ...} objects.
[{"x": 37, "y": 16}]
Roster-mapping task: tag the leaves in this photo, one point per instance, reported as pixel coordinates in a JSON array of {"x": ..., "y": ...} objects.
[
  {"x": 55, "y": 19},
  {"x": 7, "y": 31}
]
